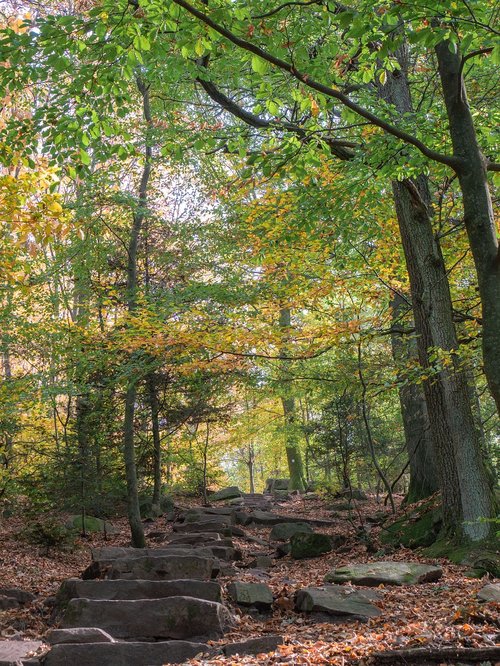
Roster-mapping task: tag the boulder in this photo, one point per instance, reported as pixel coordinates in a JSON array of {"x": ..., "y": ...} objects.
[
  {"x": 225, "y": 494},
  {"x": 171, "y": 617},
  {"x": 305, "y": 545},
  {"x": 284, "y": 531},
  {"x": 255, "y": 646},
  {"x": 78, "y": 635},
  {"x": 337, "y": 600},
  {"x": 251, "y": 594},
  {"x": 490, "y": 592},
  {"x": 91, "y": 525},
  {"x": 12, "y": 652},
  {"x": 120, "y": 654},
  {"x": 385, "y": 573},
  {"x": 276, "y": 484},
  {"x": 170, "y": 567},
  {"x": 354, "y": 493},
  {"x": 74, "y": 588}
]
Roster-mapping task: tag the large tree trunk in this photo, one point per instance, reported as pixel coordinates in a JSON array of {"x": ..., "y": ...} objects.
[
  {"x": 419, "y": 446},
  {"x": 463, "y": 481},
  {"x": 478, "y": 210},
  {"x": 292, "y": 444}
]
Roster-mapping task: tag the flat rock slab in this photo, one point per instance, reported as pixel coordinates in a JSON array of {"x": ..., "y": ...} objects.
[
  {"x": 171, "y": 617},
  {"x": 251, "y": 594},
  {"x": 337, "y": 600},
  {"x": 254, "y": 646},
  {"x": 219, "y": 527},
  {"x": 78, "y": 635},
  {"x": 12, "y": 652},
  {"x": 490, "y": 592},
  {"x": 196, "y": 539},
  {"x": 385, "y": 573},
  {"x": 286, "y": 530},
  {"x": 124, "y": 654},
  {"x": 171, "y": 567},
  {"x": 74, "y": 588}
]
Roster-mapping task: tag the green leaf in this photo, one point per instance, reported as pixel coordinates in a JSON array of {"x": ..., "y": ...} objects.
[
  {"x": 259, "y": 65},
  {"x": 85, "y": 157}
]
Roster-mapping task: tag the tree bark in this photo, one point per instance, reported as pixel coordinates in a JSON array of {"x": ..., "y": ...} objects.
[
  {"x": 134, "y": 513},
  {"x": 419, "y": 445},
  {"x": 292, "y": 444},
  {"x": 478, "y": 209},
  {"x": 155, "y": 427},
  {"x": 465, "y": 491}
]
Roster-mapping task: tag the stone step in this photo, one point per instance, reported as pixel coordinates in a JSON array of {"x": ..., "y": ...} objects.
[
  {"x": 74, "y": 588},
  {"x": 169, "y": 567},
  {"x": 125, "y": 654},
  {"x": 149, "y": 619}
]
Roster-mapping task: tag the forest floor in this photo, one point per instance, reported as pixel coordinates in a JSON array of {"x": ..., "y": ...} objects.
[{"x": 439, "y": 614}]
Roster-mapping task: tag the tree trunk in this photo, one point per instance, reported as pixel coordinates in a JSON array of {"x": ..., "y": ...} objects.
[
  {"x": 422, "y": 462},
  {"x": 478, "y": 209},
  {"x": 134, "y": 513},
  {"x": 463, "y": 482},
  {"x": 292, "y": 444},
  {"x": 155, "y": 427}
]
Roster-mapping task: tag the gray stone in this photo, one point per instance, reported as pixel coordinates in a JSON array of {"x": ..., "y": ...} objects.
[
  {"x": 171, "y": 617},
  {"x": 78, "y": 635},
  {"x": 219, "y": 527},
  {"x": 12, "y": 652},
  {"x": 385, "y": 573},
  {"x": 197, "y": 517},
  {"x": 251, "y": 594},
  {"x": 170, "y": 567},
  {"x": 74, "y": 588},
  {"x": 261, "y": 562},
  {"x": 264, "y": 518},
  {"x": 276, "y": 484},
  {"x": 225, "y": 494},
  {"x": 337, "y": 600},
  {"x": 354, "y": 493},
  {"x": 125, "y": 654},
  {"x": 304, "y": 545},
  {"x": 284, "y": 531},
  {"x": 253, "y": 646},
  {"x": 490, "y": 592},
  {"x": 196, "y": 539},
  {"x": 21, "y": 596}
]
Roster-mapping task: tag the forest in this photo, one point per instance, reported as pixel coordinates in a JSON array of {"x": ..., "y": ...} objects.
[{"x": 249, "y": 253}]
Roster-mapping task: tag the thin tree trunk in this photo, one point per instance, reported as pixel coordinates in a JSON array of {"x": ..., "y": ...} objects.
[
  {"x": 478, "y": 209},
  {"x": 292, "y": 445},
  {"x": 419, "y": 446},
  {"x": 134, "y": 513},
  {"x": 371, "y": 443},
  {"x": 155, "y": 426}
]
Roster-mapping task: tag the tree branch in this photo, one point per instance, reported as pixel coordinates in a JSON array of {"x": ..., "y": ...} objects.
[{"x": 451, "y": 161}]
